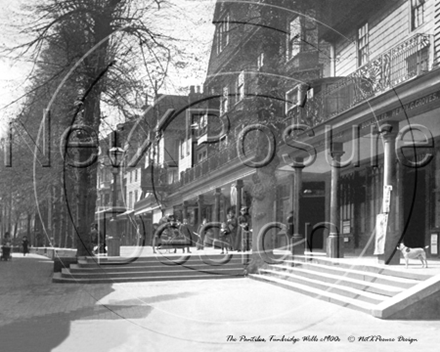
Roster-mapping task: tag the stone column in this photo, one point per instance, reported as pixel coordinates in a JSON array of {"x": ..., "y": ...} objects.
[
  {"x": 200, "y": 203},
  {"x": 335, "y": 244},
  {"x": 389, "y": 132},
  {"x": 185, "y": 210},
  {"x": 298, "y": 239},
  {"x": 217, "y": 195}
]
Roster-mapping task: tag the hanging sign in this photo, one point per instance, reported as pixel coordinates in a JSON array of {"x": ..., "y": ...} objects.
[{"x": 386, "y": 198}]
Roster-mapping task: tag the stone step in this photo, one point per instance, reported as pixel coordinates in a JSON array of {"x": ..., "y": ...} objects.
[
  {"x": 166, "y": 259},
  {"x": 321, "y": 294},
  {"x": 74, "y": 268},
  {"x": 215, "y": 261},
  {"x": 186, "y": 267},
  {"x": 147, "y": 272},
  {"x": 57, "y": 278},
  {"x": 393, "y": 271},
  {"x": 352, "y": 273},
  {"x": 338, "y": 287}
]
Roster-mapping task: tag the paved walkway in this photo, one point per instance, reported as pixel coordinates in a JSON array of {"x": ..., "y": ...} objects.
[{"x": 37, "y": 315}]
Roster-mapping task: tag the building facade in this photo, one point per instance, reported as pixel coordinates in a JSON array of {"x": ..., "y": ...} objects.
[{"x": 327, "y": 109}]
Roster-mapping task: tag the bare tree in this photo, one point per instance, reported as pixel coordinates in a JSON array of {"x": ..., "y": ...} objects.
[{"x": 90, "y": 47}]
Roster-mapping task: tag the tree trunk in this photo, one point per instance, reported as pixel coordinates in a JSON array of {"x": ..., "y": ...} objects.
[{"x": 263, "y": 199}]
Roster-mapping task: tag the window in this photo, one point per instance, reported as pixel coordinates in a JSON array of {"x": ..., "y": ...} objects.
[
  {"x": 222, "y": 34},
  {"x": 135, "y": 197},
  {"x": 199, "y": 124},
  {"x": 135, "y": 175},
  {"x": 260, "y": 61},
  {"x": 302, "y": 35},
  {"x": 362, "y": 44},
  {"x": 172, "y": 176},
  {"x": 203, "y": 124},
  {"x": 417, "y": 13},
  {"x": 202, "y": 155},
  {"x": 130, "y": 199},
  {"x": 291, "y": 99},
  {"x": 239, "y": 89},
  {"x": 294, "y": 38},
  {"x": 298, "y": 96},
  {"x": 224, "y": 101},
  {"x": 182, "y": 149}
]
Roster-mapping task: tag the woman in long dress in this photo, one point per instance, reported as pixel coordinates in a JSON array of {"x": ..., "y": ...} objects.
[{"x": 242, "y": 242}]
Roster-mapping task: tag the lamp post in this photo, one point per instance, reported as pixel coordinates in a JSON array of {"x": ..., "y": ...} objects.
[{"x": 115, "y": 155}]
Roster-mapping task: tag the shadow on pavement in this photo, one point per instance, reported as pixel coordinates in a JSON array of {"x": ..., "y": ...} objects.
[{"x": 36, "y": 314}]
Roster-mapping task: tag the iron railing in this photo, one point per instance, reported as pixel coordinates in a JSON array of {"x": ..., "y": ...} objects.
[
  {"x": 397, "y": 65},
  {"x": 216, "y": 161}
]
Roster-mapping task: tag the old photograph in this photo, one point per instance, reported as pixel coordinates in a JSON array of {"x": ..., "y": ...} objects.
[{"x": 219, "y": 175}]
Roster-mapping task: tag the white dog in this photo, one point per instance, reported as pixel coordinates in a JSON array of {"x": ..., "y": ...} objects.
[{"x": 413, "y": 253}]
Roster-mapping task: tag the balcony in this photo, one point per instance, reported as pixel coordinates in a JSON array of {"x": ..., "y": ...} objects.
[
  {"x": 215, "y": 162},
  {"x": 154, "y": 178},
  {"x": 403, "y": 62}
]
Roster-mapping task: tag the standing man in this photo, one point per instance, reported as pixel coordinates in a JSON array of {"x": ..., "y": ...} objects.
[
  {"x": 232, "y": 226},
  {"x": 201, "y": 236},
  {"x": 290, "y": 229},
  {"x": 242, "y": 243},
  {"x": 25, "y": 244},
  {"x": 185, "y": 231}
]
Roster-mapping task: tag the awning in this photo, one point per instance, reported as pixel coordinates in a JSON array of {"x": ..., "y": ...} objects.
[
  {"x": 147, "y": 210},
  {"x": 108, "y": 212},
  {"x": 126, "y": 213},
  {"x": 145, "y": 205}
]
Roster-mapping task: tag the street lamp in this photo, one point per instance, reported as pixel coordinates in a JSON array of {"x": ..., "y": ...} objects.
[{"x": 116, "y": 155}]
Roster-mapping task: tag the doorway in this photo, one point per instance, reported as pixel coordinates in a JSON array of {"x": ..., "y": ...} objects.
[
  {"x": 414, "y": 208},
  {"x": 312, "y": 213}
]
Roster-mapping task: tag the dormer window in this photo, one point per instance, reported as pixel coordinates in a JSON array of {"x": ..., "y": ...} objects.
[
  {"x": 294, "y": 38},
  {"x": 292, "y": 99},
  {"x": 302, "y": 35},
  {"x": 298, "y": 96},
  {"x": 222, "y": 33}
]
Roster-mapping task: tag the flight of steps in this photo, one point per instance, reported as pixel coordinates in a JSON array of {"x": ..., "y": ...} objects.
[
  {"x": 361, "y": 287},
  {"x": 153, "y": 268}
]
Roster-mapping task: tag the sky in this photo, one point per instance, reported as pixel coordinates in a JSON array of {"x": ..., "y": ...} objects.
[{"x": 191, "y": 25}]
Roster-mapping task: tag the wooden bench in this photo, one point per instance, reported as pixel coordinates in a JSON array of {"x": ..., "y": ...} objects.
[{"x": 175, "y": 241}]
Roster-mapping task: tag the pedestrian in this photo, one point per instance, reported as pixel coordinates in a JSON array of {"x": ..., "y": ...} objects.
[
  {"x": 185, "y": 231},
  {"x": 25, "y": 244},
  {"x": 201, "y": 235},
  {"x": 289, "y": 230},
  {"x": 232, "y": 226},
  {"x": 225, "y": 235},
  {"x": 6, "y": 247},
  {"x": 242, "y": 242},
  {"x": 98, "y": 239}
]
